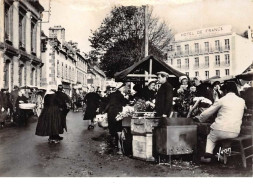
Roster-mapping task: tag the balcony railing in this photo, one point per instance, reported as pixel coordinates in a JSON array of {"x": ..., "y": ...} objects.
[
  {"x": 222, "y": 65},
  {"x": 206, "y": 51}
]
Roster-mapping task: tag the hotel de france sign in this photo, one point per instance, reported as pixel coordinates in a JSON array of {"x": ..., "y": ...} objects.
[{"x": 205, "y": 32}]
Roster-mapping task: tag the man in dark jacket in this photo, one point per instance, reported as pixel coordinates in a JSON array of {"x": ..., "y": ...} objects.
[
  {"x": 64, "y": 105},
  {"x": 164, "y": 97}
]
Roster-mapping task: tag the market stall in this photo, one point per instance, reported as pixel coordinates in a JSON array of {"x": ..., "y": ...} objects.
[{"x": 141, "y": 124}]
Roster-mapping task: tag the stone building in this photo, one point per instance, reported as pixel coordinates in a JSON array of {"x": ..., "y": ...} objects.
[
  {"x": 208, "y": 52},
  {"x": 20, "y": 43},
  {"x": 96, "y": 77},
  {"x": 63, "y": 62}
]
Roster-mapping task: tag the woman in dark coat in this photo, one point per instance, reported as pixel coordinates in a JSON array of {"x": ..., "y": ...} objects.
[
  {"x": 92, "y": 101},
  {"x": 164, "y": 97},
  {"x": 114, "y": 106},
  {"x": 50, "y": 122},
  {"x": 21, "y": 115}
]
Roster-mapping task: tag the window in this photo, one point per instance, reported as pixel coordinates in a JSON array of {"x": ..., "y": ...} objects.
[
  {"x": 207, "y": 74},
  {"x": 217, "y": 60},
  {"x": 217, "y": 45},
  {"x": 217, "y": 72},
  {"x": 32, "y": 76},
  {"x": 187, "y": 49},
  {"x": 58, "y": 68},
  {"x": 178, "y": 49},
  {"x": 207, "y": 60},
  {"x": 7, "y": 22},
  {"x": 171, "y": 61},
  {"x": 206, "y": 46},
  {"x": 179, "y": 63},
  {"x": 226, "y": 72},
  {"x": 62, "y": 69},
  {"x": 227, "y": 59},
  {"x": 66, "y": 72},
  {"x": 22, "y": 23},
  {"x": 197, "y": 61},
  {"x": 196, "y": 73},
  {"x": 227, "y": 46},
  {"x": 196, "y": 47},
  {"x": 21, "y": 74},
  {"x": 33, "y": 36},
  {"x": 70, "y": 74},
  {"x": 187, "y": 62},
  {"x": 187, "y": 73}
]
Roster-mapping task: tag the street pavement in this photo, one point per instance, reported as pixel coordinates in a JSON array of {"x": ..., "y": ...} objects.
[{"x": 87, "y": 153}]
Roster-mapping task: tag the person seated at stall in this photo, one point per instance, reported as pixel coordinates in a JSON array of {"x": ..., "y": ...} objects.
[
  {"x": 203, "y": 89},
  {"x": 202, "y": 97},
  {"x": 227, "y": 124},
  {"x": 164, "y": 97},
  {"x": 21, "y": 115}
]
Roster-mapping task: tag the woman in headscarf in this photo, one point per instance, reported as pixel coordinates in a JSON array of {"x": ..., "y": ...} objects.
[
  {"x": 21, "y": 115},
  {"x": 50, "y": 122},
  {"x": 92, "y": 100},
  {"x": 116, "y": 101}
]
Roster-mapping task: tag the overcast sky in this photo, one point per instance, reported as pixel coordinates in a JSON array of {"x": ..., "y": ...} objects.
[{"x": 79, "y": 17}]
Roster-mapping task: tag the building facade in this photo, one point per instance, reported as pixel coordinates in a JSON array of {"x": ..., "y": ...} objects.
[
  {"x": 208, "y": 52},
  {"x": 63, "y": 61},
  {"x": 96, "y": 78},
  {"x": 20, "y": 43}
]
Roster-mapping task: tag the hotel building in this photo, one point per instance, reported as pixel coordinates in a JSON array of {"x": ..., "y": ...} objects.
[{"x": 208, "y": 52}]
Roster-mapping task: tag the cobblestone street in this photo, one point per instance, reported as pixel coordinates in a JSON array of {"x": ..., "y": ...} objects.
[{"x": 86, "y": 153}]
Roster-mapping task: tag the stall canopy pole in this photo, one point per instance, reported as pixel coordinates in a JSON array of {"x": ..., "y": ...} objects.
[
  {"x": 146, "y": 29},
  {"x": 150, "y": 68}
]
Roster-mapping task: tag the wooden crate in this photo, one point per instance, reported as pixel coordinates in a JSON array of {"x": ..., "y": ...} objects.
[
  {"x": 174, "y": 140},
  {"x": 143, "y": 147}
]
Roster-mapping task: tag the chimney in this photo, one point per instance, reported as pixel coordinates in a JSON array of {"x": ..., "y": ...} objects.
[{"x": 57, "y": 32}]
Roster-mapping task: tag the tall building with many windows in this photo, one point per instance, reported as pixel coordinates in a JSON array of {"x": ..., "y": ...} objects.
[
  {"x": 20, "y": 43},
  {"x": 208, "y": 52}
]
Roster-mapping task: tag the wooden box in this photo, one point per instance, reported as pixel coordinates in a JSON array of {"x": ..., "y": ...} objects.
[
  {"x": 143, "y": 147},
  {"x": 143, "y": 125}
]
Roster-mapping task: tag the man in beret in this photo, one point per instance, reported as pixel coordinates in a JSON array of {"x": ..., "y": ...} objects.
[{"x": 164, "y": 97}]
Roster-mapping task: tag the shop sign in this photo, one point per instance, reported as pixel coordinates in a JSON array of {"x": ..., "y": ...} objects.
[{"x": 205, "y": 32}]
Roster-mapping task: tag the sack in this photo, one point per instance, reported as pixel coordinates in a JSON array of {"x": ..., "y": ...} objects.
[{"x": 102, "y": 120}]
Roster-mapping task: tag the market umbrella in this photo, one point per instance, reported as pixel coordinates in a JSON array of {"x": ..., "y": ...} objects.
[{"x": 248, "y": 76}]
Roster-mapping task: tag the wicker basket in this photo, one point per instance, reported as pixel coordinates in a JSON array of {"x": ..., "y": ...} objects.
[{"x": 27, "y": 106}]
